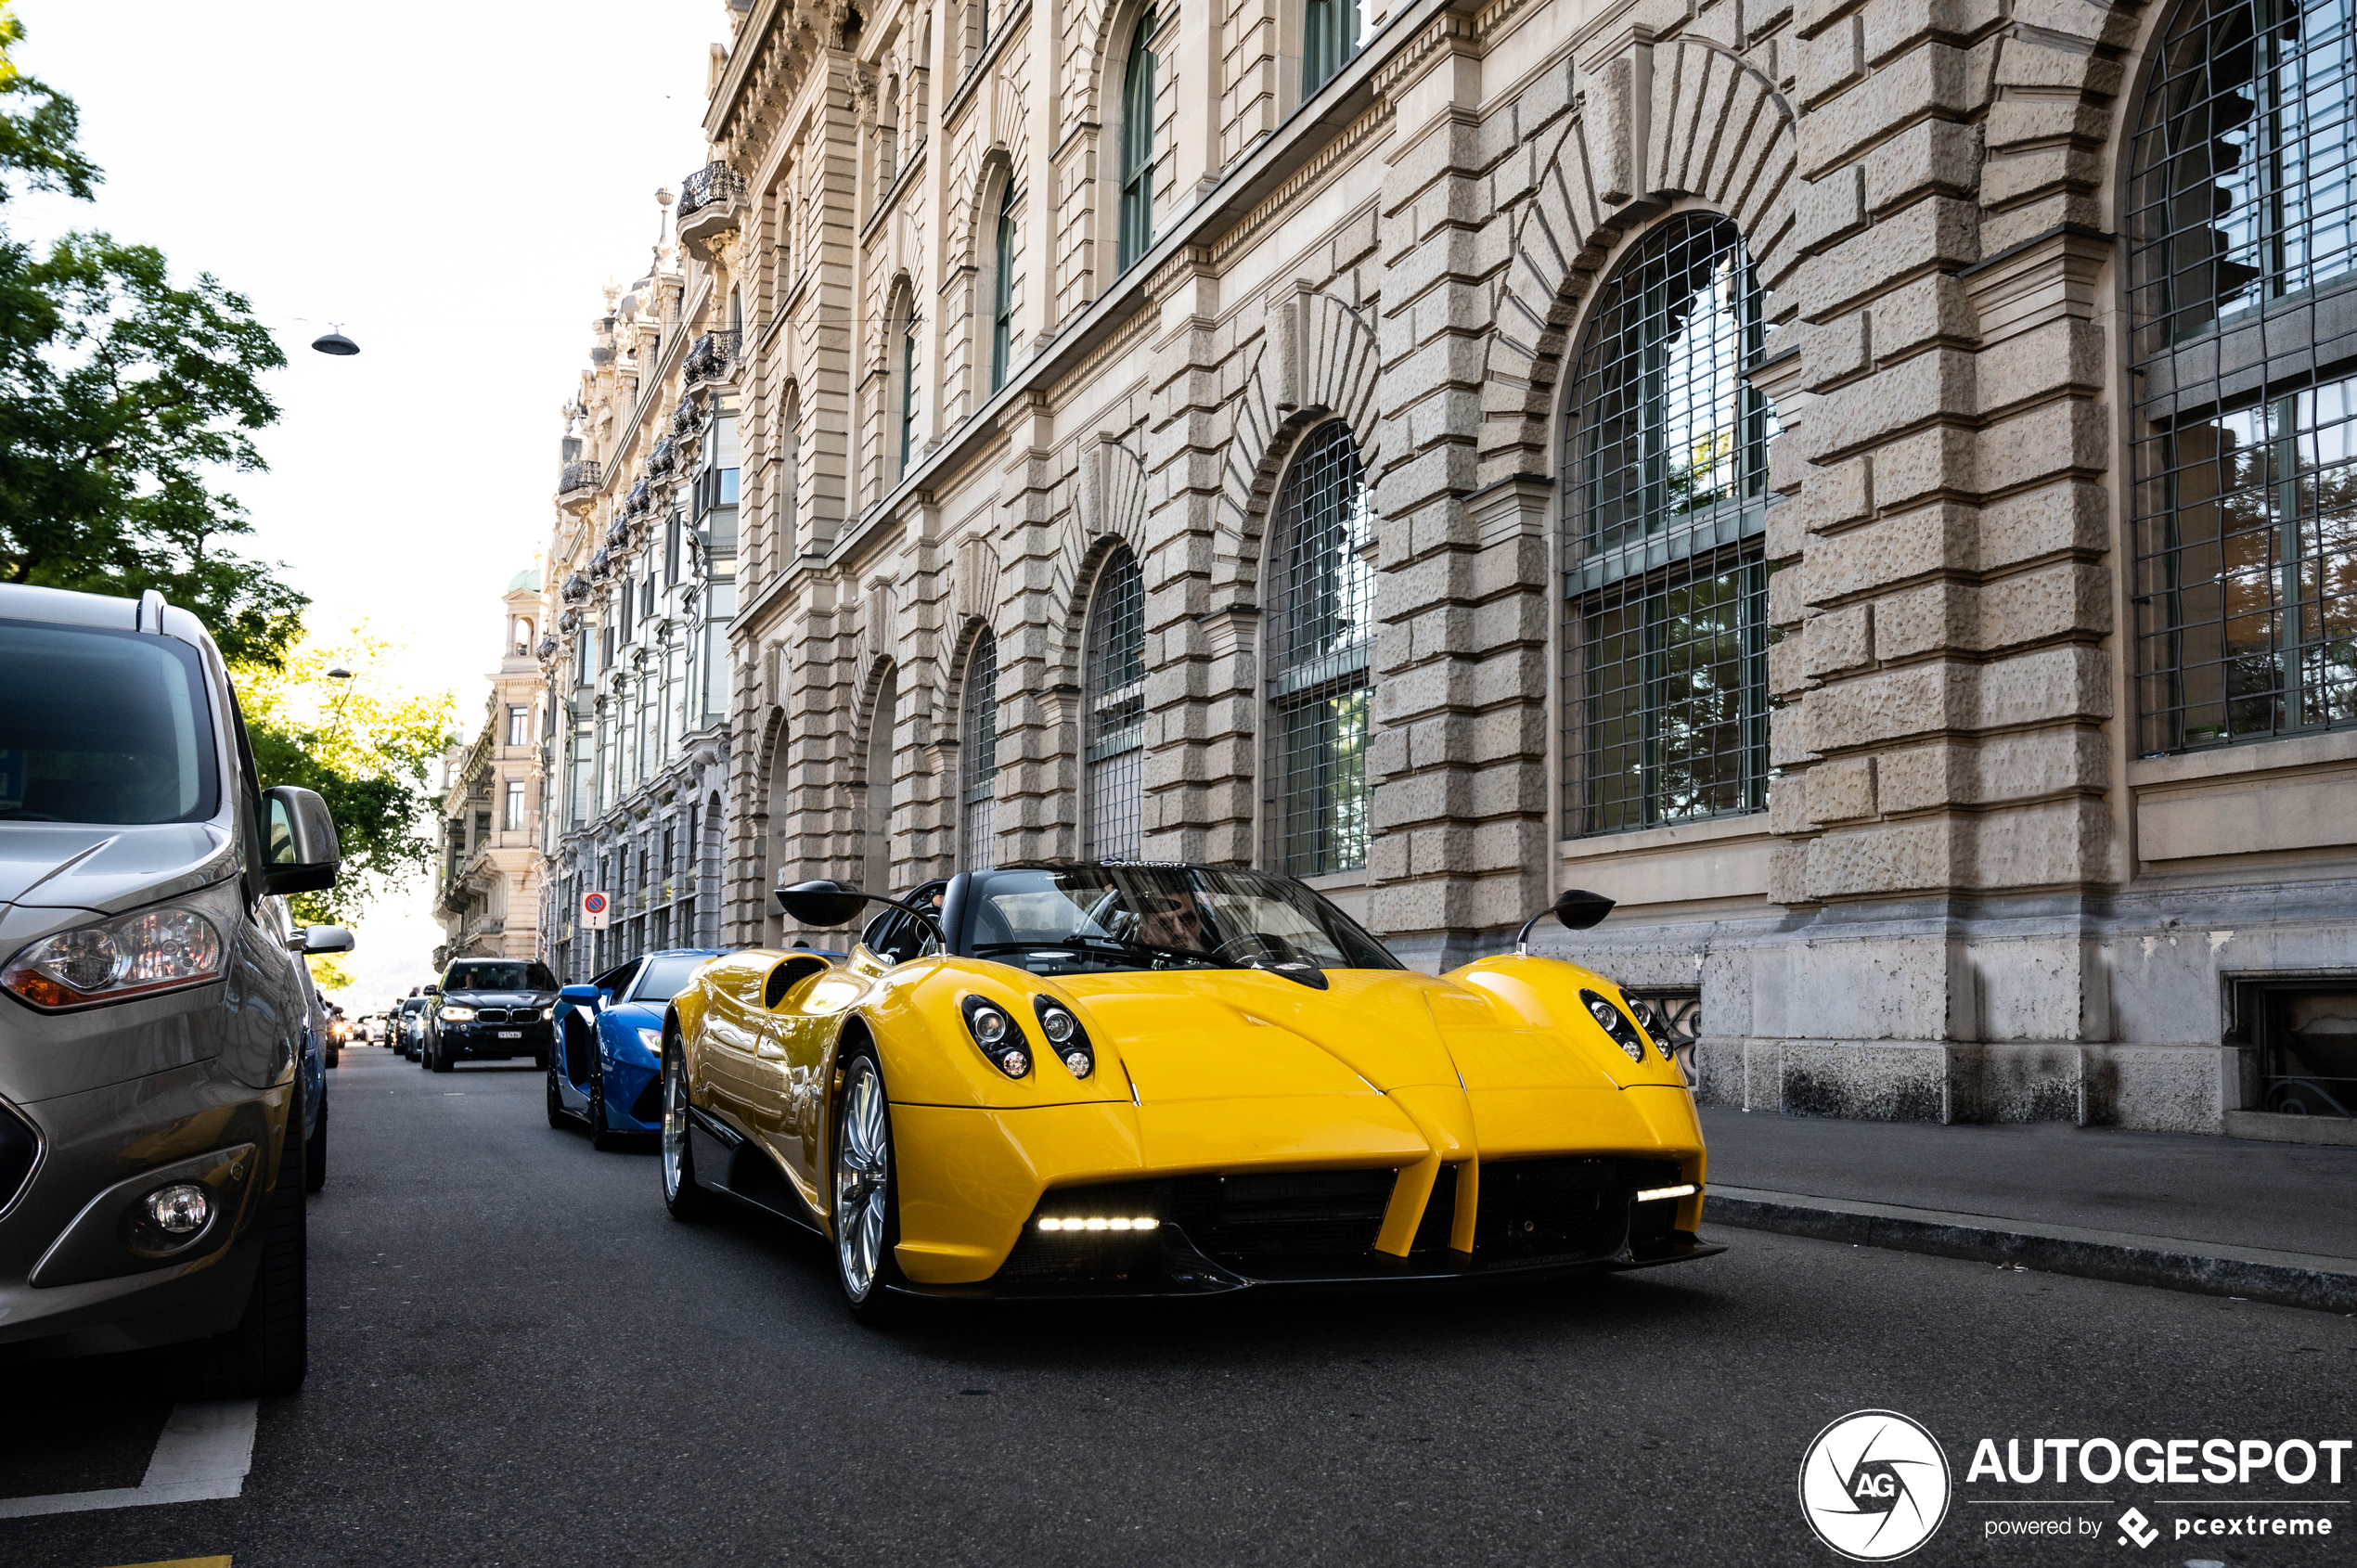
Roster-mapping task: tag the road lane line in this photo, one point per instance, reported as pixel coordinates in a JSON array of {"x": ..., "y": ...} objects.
[{"x": 203, "y": 1455}]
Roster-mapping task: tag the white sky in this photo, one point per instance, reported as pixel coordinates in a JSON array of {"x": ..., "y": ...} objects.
[{"x": 450, "y": 182}]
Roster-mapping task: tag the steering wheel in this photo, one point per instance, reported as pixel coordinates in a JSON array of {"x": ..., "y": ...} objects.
[{"x": 1269, "y": 947}]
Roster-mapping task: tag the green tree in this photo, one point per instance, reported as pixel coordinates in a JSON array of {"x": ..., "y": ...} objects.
[
  {"x": 121, "y": 397},
  {"x": 367, "y": 749}
]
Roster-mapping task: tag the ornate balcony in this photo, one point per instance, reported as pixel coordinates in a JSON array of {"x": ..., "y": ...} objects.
[
  {"x": 686, "y": 418},
  {"x": 659, "y": 461},
  {"x": 577, "y": 486},
  {"x": 641, "y": 497},
  {"x": 618, "y": 530},
  {"x": 576, "y": 589},
  {"x": 711, "y": 205},
  {"x": 712, "y": 357},
  {"x": 599, "y": 564}
]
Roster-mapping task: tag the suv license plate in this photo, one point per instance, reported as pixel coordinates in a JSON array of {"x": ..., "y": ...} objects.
[{"x": 511, "y": 1034}]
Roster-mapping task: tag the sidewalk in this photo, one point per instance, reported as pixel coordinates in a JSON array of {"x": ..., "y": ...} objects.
[{"x": 2267, "y": 1221}]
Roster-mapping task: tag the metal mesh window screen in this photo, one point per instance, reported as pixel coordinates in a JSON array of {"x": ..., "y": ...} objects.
[
  {"x": 1669, "y": 489},
  {"x": 978, "y": 757},
  {"x": 1321, "y": 633},
  {"x": 1114, "y": 756},
  {"x": 2243, "y": 228}
]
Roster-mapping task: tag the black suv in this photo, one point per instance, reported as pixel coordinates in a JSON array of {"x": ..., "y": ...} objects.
[{"x": 490, "y": 1010}]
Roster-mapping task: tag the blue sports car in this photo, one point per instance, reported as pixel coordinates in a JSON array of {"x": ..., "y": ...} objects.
[{"x": 607, "y": 1069}]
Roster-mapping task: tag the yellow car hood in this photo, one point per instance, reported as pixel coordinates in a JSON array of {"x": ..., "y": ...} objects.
[{"x": 1188, "y": 1037}]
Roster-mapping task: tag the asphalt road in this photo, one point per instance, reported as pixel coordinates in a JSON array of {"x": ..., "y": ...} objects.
[{"x": 517, "y": 1358}]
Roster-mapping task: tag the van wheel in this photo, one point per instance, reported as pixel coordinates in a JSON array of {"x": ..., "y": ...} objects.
[
  {"x": 314, "y": 1154},
  {"x": 264, "y": 1355}
]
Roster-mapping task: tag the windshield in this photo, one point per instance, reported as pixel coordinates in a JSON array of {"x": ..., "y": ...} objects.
[
  {"x": 1069, "y": 920},
  {"x": 486, "y": 974},
  {"x": 666, "y": 975},
  {"x": 100, "y": 726}
]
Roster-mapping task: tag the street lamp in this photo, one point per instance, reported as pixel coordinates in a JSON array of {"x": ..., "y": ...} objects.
[{"x": 333, "y": 341}]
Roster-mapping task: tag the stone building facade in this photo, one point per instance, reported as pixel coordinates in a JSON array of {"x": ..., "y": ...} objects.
[
  {"x": 487, "y": 890},
  {"x": 643, "y": 560},
  {"x": 1853, "y": 480}
]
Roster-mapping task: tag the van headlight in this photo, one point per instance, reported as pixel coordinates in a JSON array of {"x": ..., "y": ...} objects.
[{"x": 165, "y": 949}]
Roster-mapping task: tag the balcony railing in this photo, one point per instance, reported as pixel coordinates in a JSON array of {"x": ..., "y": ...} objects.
[
  {"x": 714, "y": 184},
  {"x": 713, "y": 356}
]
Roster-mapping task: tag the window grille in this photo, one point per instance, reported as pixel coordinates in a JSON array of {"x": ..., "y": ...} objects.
[
  {"x": 2243, "y": 235},
  {"x": 1002, "y": 309},
  {"x": 1667, "y": 489},
  {"x": 1321, "y": 636},
  {"x": 1113, "y": 760},
  {"x": 978, "y": 756},
  {"x": 1138, "y": 147}
]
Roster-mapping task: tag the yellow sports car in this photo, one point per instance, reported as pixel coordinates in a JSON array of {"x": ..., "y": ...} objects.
[{"x": 1130, "y": 1079}]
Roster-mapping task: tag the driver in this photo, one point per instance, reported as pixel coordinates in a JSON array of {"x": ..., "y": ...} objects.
[{"x": 1173, "y": 919}]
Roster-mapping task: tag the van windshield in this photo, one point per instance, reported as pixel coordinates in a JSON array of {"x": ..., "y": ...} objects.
[{"x": 103, "y": 726}]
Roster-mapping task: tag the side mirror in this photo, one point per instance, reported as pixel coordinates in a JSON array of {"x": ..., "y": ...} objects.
[
  {"x": 302, "y": 854},
  {"x": 1577, "y": 908},
  {"x": 430, "y": 991},
  {"x": 321, "y": 938},
  {"x": 822, "y": 903},
  {"x": 582, "y": 995}
]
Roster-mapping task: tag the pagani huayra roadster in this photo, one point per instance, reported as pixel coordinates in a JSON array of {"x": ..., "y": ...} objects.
[{"x": 1130, "y": 1079}]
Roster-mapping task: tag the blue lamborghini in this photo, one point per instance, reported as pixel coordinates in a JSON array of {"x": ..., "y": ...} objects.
[{"x": 607, "y": 1069}]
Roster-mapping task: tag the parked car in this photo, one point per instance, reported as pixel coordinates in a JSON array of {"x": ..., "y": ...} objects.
[
  {"x": 1172, "y": 1080},
  {"x": 409, "y": 1023},
  {"x": 152, "y": 1110},
  {"x": 606, "y": 1070},
  {"x": 490, "y": 1010},
  {"x": 339, "y": 1034}
]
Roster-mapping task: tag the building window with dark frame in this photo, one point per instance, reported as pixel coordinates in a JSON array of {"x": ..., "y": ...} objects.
[
  {"x": 1002, "y": 288},
  {"x": 2242, "y": 227},
  {"x": 511, "y": 814},
  {"x": 518, "y": 724},
  {"x": 1114, "y": 688},
  {"x": 1329, "y": 39},
  {"x": 1137, "y": 147},
  {"x": 1321, "y": 642},
  {"x": 907, "y": 387},
  {"x": 1666, "y": 502},
  {"x": 978, "y": 758}
]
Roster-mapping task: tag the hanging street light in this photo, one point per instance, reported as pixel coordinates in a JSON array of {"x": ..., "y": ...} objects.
[{"x": 334, "y": 341}]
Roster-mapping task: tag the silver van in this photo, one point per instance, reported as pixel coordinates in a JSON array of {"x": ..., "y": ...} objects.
[{"x": 156, "y": 1010}]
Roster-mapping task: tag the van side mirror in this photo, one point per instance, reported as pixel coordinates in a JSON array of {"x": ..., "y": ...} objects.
[
  {"x": 321, "y": 938},
  {"x": 302, "y": 854}
]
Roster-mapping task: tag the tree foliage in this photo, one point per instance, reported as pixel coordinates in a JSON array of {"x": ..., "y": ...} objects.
[
  {"x": 121, "y": 397},
  {"x": 369, "y": 751}
]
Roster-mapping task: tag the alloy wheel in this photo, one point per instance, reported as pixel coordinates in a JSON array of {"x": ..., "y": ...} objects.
[
  {"x": 674, "y": 1121},
  {"x": 863, "y": 1166}
]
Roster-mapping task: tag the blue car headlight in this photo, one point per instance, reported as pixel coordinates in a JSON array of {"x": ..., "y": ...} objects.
[{"x": 652, "y": 1040}]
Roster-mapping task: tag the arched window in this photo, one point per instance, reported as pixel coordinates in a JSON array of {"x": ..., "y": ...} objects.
[
  {"x": 1002, "y": 305},
  {"x": 790, "y": 482},
  {"x": 1137, "y": 147},
  {"x": 978, "y": 758},
  {"x": 877, "y": 842},
  {"x": 1328, "y": 37},
  {"x": 907, "y": 394},
  {"x": 1321, "y": 635},
  {"x": 2243, "y": 228},
  {"x": 1666, "y": 503},
  {"x": 1114, "y": 745},
  {"x": 901, "y": 328}
]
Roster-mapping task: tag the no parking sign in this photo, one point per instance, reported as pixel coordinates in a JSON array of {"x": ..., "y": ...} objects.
[{"x": 593, "y": 911}]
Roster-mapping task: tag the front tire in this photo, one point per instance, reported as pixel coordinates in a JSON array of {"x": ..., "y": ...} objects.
[
  {"x": 265, "y": 1355},
  {"x": 440, "y": 1060},
  {"x": 866, "y": 1211},
  {"x": 687, "y": 1201}
]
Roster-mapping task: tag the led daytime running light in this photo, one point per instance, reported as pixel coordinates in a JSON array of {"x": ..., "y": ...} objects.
[
  {"x": 1654, "y": 1194},
  {"x": 1098, "y": 1222}
]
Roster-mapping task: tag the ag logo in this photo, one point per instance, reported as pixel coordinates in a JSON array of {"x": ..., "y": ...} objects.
[{"x": 1873, "y": 1486}]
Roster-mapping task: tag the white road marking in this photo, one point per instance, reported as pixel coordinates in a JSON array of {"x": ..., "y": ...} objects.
[{"x": 204, "y": 1454}]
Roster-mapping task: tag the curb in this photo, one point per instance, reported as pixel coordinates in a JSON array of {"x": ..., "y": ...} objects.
[{"x": 2326, "y": 1284}]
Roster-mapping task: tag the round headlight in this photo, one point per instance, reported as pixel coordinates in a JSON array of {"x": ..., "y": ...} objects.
[
  {"x": 1014, "y": 1064},
  {"x": 1057, "y": 1024},
  {"x": 1079, "y": 1064},
  {"x": 990, "y": 1025}
]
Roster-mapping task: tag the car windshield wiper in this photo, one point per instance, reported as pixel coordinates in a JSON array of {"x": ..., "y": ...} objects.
[{"x": 1123, "y": 945}]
